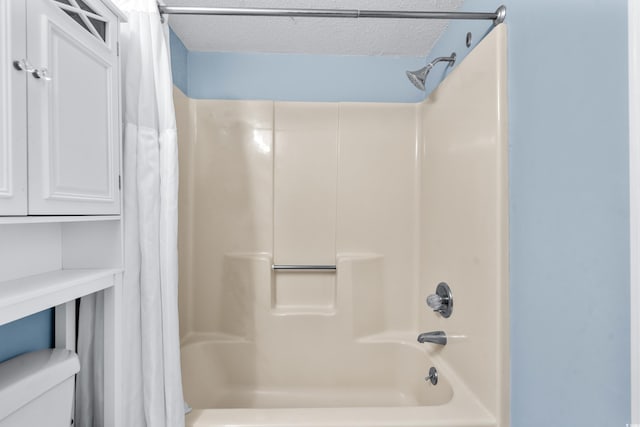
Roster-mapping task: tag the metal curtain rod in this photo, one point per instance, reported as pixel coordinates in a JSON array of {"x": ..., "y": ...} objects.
[{"x": 497, "y": 17}]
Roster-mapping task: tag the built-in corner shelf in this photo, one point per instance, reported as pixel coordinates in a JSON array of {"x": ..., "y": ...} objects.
[
  {"x": 31, "y": 294},
  {"x": 38, "y": 219}
]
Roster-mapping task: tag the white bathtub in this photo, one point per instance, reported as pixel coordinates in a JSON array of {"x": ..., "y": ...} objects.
[{"x": 230, "y": 382}]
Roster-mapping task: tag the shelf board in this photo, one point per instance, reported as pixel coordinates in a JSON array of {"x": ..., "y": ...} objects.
[
  {"x": 27, "y": 295},
  {"x": 37, "y": 219}
]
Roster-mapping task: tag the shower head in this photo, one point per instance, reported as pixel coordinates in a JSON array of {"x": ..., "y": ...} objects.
[{"x": 418, "y": 77}]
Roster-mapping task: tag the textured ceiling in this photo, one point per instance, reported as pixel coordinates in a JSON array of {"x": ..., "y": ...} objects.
[{"x": 345, "y": 36}]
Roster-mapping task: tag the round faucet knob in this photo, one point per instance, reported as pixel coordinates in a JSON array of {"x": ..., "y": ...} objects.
[
  {"x": 435, "y": 302},
  {"x": 442, "y": 301}
]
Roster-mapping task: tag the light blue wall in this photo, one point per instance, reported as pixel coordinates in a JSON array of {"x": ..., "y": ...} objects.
[
  {"x": 569, "y": 209},
  {"x": 569, "y": 233},
  {"x": 290, "y": 77},
  {"x": 31, "y": 333},
  {"x": 179, "y": 59}
]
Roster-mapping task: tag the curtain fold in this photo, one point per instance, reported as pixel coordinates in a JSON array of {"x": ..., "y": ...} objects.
[
  {"x": 90, "y": 384},
  {"x": 151, "y": 394}
]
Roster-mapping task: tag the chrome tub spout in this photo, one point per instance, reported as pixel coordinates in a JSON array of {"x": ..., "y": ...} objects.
[{"x": 435, "y": 337}]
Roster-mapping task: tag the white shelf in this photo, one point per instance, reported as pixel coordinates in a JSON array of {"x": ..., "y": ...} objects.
[
  {"x": 27, "y": 295},
  {"x": 35, "y": 219}
]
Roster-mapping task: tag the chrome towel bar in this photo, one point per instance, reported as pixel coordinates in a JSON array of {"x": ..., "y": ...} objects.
[{"x": 303, "y": 267}]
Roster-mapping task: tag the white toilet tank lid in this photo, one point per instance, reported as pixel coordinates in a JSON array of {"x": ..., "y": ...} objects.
[{"x": 25, "y": 377}]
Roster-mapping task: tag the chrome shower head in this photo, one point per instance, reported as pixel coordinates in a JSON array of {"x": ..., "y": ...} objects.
[{"x": 418, "y": 77}]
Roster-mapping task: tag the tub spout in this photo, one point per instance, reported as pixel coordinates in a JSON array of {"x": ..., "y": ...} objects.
[{"x": 436, "y": 337}]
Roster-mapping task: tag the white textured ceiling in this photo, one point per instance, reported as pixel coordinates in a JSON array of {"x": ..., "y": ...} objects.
[{"x": 344, "y": 36}]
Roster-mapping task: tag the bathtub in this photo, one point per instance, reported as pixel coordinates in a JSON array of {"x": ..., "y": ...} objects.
[{"x": 368, "y": 382}]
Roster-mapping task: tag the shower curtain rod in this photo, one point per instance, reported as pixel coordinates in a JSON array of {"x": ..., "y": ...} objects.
[{"x": 497, "y": 17}]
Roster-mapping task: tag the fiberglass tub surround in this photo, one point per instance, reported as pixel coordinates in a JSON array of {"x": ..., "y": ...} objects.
[{"x": 399, "y": 197}]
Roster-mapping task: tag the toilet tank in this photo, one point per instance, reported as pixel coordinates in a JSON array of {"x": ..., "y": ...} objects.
[{"x": 36, "y": 389}]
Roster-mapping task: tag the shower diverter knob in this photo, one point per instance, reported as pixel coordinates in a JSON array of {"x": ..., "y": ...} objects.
[{"x": 442, "y": 301}]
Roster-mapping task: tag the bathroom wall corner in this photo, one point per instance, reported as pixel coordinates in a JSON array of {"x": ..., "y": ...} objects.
[{"x": 179, "y": 62}]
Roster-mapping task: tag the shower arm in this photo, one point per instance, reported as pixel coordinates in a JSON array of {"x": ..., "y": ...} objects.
[
  {"x": 418, "y": 77},
  {"x": 450, "y": 59}
]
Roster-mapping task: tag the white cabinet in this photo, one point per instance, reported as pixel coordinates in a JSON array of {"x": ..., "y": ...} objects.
[
  {"x": 13, "y": 111},
  {"x": 59, "y": 98},
  {"x": 60, "y": 228}
]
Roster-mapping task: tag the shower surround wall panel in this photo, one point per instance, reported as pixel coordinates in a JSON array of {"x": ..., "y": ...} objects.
[
  {"x": 377, "y": 207},
  {"x": 305, "y": 173},
  {"x": 465, "y": 231},
  {"x": 233, "y": 199},
  {"x": 398, "y": 197}
]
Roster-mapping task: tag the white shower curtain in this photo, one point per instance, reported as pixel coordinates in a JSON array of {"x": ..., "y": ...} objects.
[{"x": 151, "y": 393}]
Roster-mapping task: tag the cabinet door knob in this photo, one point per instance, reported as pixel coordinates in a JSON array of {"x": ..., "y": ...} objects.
[
  {"x": 41, "y": 73},
  {"x": 23, "y": 65}
]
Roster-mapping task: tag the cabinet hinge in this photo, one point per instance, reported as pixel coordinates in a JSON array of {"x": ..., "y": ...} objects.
[
  {"x": 118, "y": 48},
  {"x": 119, "y": 182}
]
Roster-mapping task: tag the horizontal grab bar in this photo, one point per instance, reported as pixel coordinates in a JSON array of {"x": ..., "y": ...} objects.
[{"x": 303, "y": 267}]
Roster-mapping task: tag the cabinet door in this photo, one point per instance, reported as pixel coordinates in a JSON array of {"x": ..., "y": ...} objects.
[
  {"x": 73, "y": 108},
  {"x": 13, "y": 110}
]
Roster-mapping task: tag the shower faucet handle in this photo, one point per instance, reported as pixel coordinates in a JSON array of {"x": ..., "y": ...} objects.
[
  {"x": 442, "y": 301},
  {"x": 435, "y": 302}
]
